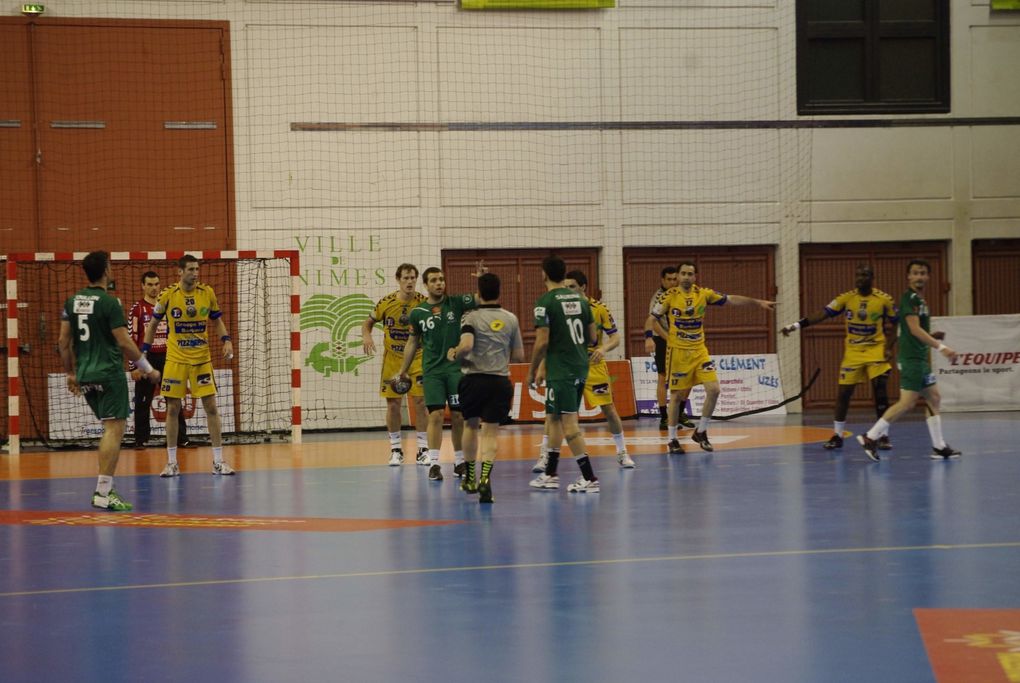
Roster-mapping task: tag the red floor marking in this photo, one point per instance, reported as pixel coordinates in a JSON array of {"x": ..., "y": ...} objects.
[
  {"x": 966, "y": 645},
  {"x": 162, "y": 521}
]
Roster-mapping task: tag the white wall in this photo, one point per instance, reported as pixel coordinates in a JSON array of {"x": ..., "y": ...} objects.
[{"x": 360, "y": 202}]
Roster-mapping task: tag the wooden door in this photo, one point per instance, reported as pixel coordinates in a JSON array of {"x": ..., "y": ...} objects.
[
  {"x": 996, "y": 269},
  {"x": 17, "y": 148}
]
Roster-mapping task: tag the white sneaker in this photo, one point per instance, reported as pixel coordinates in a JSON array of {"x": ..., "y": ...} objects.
[
  {"x": 544, "y": 481},
  {"x": 396, "y": 457},
  {"x": 541, "y": 463},
  {"x": 423, "y": 457},
  {"x": 171, "y": 470},
  {"x": 222, "y": 468},
  {"x": 625, "y": 460},
  {"x": 582, "y": 485}
]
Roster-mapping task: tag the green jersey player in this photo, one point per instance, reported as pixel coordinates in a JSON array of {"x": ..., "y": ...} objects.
[
  {"x": 913, "y": 358},
  {"x": 564, "y": 327},
  {"x": 93, "y": 340},
  {"x": 435, "y": 328}
]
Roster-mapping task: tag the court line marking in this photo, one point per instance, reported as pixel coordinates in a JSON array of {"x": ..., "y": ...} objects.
[{"x": 526, "y": 565}]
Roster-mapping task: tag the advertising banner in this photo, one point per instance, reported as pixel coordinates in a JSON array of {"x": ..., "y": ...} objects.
[
  {"x": 529, "y": 404},
  {"x": 748, "y": 382},
  {"x": 986, "y": 374},
  {"x": 71, "y": 418}
]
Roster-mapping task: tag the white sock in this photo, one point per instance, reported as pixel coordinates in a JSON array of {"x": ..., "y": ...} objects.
[
  {"x": 703, "y": 424},
  {"x": 104, "y": 485},
  {"x": 217, "y": 454},
  {"x": 880, "y": 429},
  {"x": 171, "y": 455},
  {"x": 839, "y": 428},
  {"x": 394, "y": 439},
  {"x": 672, "y": 432},
  {"x": 458, "y": 457},
  {"x": 544, "y": 448},
  {"x": 935, "y": 430},
  {"x": 620, "y": 446},
  {"x": 434, "y": 456},
  {"x": 423, "y": 439}
]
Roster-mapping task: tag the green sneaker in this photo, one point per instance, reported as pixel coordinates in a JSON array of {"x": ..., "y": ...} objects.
[
  {"x": 484, "y": 490},
  {"x": 111, "y": 501},
  {"x": 468, "y": 485}
]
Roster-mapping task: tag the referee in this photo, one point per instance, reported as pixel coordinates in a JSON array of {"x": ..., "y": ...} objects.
[{"x": 490, "y": 337}]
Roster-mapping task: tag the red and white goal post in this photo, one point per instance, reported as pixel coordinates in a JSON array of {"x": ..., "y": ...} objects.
[{"x": 259, "y": 390}]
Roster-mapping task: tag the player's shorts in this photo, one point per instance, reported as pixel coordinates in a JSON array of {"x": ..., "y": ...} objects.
[
  {"x": 861, "y": 364},
  {"x": 108, "y": 399},
  {"x": 915, "y": 375},
  {"x": 178, "y": 376},
  {"x": 485, "y": 396},
  {"x": 687, "y": 368},
  {"x": 442, "y": 388},
  {"x": 390, "y": 366},
  {"x": 660, "y": 354},
  {"x": 598, "y": 390},
  {"x": 563, "y": 397}
]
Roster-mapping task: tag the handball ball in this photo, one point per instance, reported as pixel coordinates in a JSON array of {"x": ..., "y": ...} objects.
[{"x": 401, "y": 385}]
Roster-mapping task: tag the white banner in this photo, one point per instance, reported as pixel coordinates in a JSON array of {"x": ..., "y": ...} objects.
[
  {"x": 748, "y": 382},
  {"x": 986, "y": 374},
  {"x": 71, "y": 418}
]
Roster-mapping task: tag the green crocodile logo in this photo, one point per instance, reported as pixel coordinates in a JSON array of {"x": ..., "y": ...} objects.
[{"x": 342, "y": 316}]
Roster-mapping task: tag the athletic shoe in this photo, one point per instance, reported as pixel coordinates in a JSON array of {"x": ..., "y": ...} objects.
[
  {"x": 870, "y": 446},
  {"x": 435, "y": 473},
  {"x": 111, "y": 501},
  {"x": 140, "y": 446},
  {"x": 171, "y": 470},
  {"x": 187, "y": 444},
  {"x": 625, "y": 460},
  {"x": 685, "y": 421},
  {"x": 701, "y": 438},
  {"x": 835, "y": 441},
  {"x": 545, "y": 481},
  {"x": 944, "y": 453},
  {"x": 396, "y": 457},
  {"x": 582, "y": 485},
  {"x": 540, "y": 464},
  {"x": 884, "y": 444},
  {"x": 423, "y": 457},
  {"x": 468, "y": 486},
  {"x": 222, "y": 468},
  {"x": 663, "y": 425},
  {"x": 460, "y": 469},
  {"x": 484, "y": 490},
  {"x": 675, "y": 448}
]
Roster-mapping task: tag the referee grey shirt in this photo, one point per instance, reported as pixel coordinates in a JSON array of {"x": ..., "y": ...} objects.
[{"x": 497, "y": 333}]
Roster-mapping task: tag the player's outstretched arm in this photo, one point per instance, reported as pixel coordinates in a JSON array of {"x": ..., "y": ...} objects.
[
  {"x": 738, "y": 300},
  {"x": 914, "y": 325},
  {"x": 812, "y": 319},
  {"x": 131, "y": 352}
]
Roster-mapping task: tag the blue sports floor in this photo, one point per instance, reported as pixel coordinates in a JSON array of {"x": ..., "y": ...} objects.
[{"x": 770, "y": 560}]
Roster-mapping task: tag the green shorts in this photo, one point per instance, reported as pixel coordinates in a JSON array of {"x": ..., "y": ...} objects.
[
  {"x": 915, "y": 375},
  {"x": 441, "y": 389},
  {"x": 108, "y": 399},
  {"x": 564, "y": 395}
]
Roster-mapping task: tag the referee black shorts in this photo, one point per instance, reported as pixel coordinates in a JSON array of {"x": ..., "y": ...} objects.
[
  {"x": 660, "y": 354},
  {"x": 485, "y": 396}
]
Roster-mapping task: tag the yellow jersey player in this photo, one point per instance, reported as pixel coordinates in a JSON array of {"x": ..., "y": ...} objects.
[
  {"x": 393, "y": 313},
  {"x": 598, "y": 388},
  {"x": 678, "y": 315},
  {"x": 867, "y": 348},
  {"x": 190, "y": 307}
]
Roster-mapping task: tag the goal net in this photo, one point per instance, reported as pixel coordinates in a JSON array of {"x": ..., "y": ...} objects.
[{"x": 255, "y": 396}]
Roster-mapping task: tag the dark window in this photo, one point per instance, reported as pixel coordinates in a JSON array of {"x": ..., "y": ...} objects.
[{"x": 872, "y": 56}]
